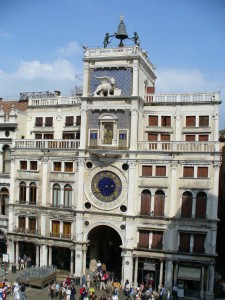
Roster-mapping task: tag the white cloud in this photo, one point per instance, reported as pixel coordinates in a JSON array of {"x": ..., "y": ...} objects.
[{"x": 70, "y": 49}]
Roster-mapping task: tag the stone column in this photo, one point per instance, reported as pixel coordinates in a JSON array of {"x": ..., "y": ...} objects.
[
  {"x": 202, "y": 282},
  {"x": 131, "y": 188},
  {"x": 135, "y": 77},
  {"x": 175, "y": 272},
  {"x": 78, "y": 261},
  {"x": 37, "y": 256},
  {"x": 214, "y": 199},
  {"x": 84, "y": 258},
  {"x": 45, "y": 181},
  {"x": 172, "y": 209},
  {"x": 210, "y": 282},
  {"x": 50, "y": 255},
  {"x": 85, "y": 79},
  {"x": 71, "y": 261},
  {"x": 43, "y": 255},
  {"x": 169, "y": 272},
  {"x": 161, "y": 273},
  {"x": 83, "y": 126},
  {"x": 127, "y": 266},
  {"x": 134, "y": 128},
  {"x": 136, "y": 271},
  {"x": 80, "y": 190},
  {"x": 17, "y": 255}
]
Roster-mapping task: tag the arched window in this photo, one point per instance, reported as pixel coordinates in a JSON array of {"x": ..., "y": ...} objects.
[
  {"x": 145, "y": 202},
  {"x": 201, "y": 205},
  {"x": 6, "y": 159},
  {"x": 67, "y": 195},
  {"x": 186, "y": 206},
  {"x": 33, "y": 193},
  {"x": 4, "y": 201},
  {"x": 22, "y": 192},
  {"x": 159, "y": 203},
  {"x": 56, "y": 195}
]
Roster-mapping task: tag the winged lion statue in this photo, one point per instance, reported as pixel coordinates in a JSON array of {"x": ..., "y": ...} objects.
[{"x": 106, "y": 87}]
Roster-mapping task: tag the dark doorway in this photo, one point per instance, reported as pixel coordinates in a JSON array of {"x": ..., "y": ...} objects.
[
  {"x": 105, "y": 245},
  {"x": 28, "y": 249},
  {"x": 61, "y": 258}
]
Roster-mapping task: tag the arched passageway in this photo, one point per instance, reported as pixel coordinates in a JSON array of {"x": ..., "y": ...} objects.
[
  {"x": 105, "y": 245},
  {"x": 61, "y": 258}
]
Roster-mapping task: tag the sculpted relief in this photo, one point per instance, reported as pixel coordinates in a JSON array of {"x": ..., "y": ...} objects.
[{"x": 106, "y": 87}]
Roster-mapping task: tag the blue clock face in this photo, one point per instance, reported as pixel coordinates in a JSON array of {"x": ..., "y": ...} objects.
[{"x": 106, "y": 186}]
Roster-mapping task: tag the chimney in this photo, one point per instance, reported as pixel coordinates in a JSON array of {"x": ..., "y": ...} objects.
[{"x": 57, "y": 93}]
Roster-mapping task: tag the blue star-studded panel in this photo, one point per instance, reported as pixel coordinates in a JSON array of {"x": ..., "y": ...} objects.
[
  {"x": 106, "y": 186},
  {"x": 123, "y": 78}
]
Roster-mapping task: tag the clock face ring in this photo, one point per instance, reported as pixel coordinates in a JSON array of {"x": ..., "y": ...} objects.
[{"x": 106, "y": 186}]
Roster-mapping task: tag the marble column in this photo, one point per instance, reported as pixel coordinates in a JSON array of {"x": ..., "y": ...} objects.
[
  {"x": 169, "y": 272},
  {"x": 50, "y": 255},
  {"x": 84, "y": 259},
  {"x": 202, "y": 282},
  {"x": 43, "y": 255},
  {"x": 135, "y": 271},
  {"x": 44, "y": 181},
  {"x": 161, "y": 273},
  {"x": 17, "y": 255},
  {"x": 37, "y": 256},
  {"x": 135, "y": 77},
  {"x": 173, "y": 205},
  {"x": 71, "y": 261}
]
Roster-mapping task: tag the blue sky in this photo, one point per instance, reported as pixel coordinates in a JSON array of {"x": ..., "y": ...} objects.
[{"x": 40, "y": 42}]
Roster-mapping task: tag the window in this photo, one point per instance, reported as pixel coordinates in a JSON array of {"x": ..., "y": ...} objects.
[
  {"x": 68, "y": 135},
  {"x": 67, "y": 195},
  {"x": 166, "y": 121},
  {"x": 5, "y": 200},
  {"x": 146, "y": 170},
  {"x": 157, "y": 240},
  {"x": 184, "y": 242},
  {"x": 165, "y": 137},
  {"x": 159, "y": 203},
  {"x": 22, "y": 192},
  {"x": 190, "y": 121},
  {"x": 160, "y": 171},
  {"x": 78, "y": 120},
  {"x": 69, "y": 121},
  {"x": 186, "y": 206},
  {"x": 57, "y": 166},
  {"x": 153, "y": 120},
  {"x": 33, "y": 165},
  {"x": 48, "y": 136},
  {"x": 188, "y": 172},
  {"x": 38, "y": 136},
  {"x": 49, "y": 121},
  {"x": 201, "y": 205},
  {"x": 202, "y": 172},
  {"x": 203, "y": 121},
  {"x": 68, "y": 166},
  {"x": 23, "y": 165},
  {"x": 55, "y": 228},
  {"x": 203, "y": 137},
  {"x": 143, "y": 239},
  {"x": 199, "y": 243},
  {"x": 152, "y": 137},
  {"x": 6, "y": 159},
  {"x": 32, "y": 225},
  {"x": 145, "y": 202},
  {"x": 56, "y": 195},
  {"x": 21, "y": 224},
  {"x": 190, "y": 138},
  {"x": 33, "y": 193},
  {"x": 66, "y": 230},
  {"x": 39, "y": 121}
]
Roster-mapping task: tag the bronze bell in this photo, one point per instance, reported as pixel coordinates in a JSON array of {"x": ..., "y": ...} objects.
[{"x": 121, "y": 33}]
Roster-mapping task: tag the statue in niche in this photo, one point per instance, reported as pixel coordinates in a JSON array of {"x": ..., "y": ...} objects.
[
  {"x": 108, "y": 135},
  {"x": 107, "y": 87}
]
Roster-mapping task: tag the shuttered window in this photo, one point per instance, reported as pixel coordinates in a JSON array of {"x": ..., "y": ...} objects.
[
  {"x": 146, "y": 170},
  {"x": 202, "y": 172},
  {"x": 166, "y": 121},
  {"x": 68, "y": 135},
  {"x": 66, "y": 230},
  {"x": 152, "y": 137},
  {"x": 199, "y": 241},
  {"x": 190, "y": 121},
  {"x": 33, "y": 165},
  {"x": 32, "y": 193},
  {"x": 56, "y": 195},
  {"x": 57, "y": 166},
  {"x": 22, "y": 193},
  {"x": 49, "y": 121},
  {"x": 188, "y": 172},
  {"x": 144, "y": 239},
  {"x": 68, "y": 166},
  {"x": 23, "y": 165},
  {"x": 201, "y": 205},
  {"x": 69, "y": 121},
  {"x": 160, "y": 171},
  {"x": 39, "y": 121},
  {"x": 203, "y": 121},
  {"x": 55, "y": 228},
  {"x": 67, "y": 195},
  {"x": 190, "y": 138},
  {"x": 165, "y": 137},
  {"x": 22, "y": 223},
  {"x": 186, "y": 206},
  {"x": 38, "y": 136},
  {"x": 203, "y": 137},
  {"x": 32, "y": 225},
  {"x": 184, "y": 242},
  {"x": 145, "y": 202},
  {"x": 153, "y": 120},
  {"x": 159, "y": 203},
  {"x": 157, "y": 240},
  {"x": 78, "y": 120}
]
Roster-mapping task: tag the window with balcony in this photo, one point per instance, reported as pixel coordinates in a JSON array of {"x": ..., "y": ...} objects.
[
  {"x": 203, "y": 121},
  {"x": 48, "y": 136},
  {"x": 23, "y": 165},
  {"x": 33, "y": 165},
  {"x": 160, "y": 171},
  {"x": 202, "y": 172},
  {"x": 56, "y": 201},
  {"x": 32, "y": 225},
  {"x": 157, "y": 240},
  {"x": 22, "y": 192},
  {"x": 159, "y": 203},
  {"x": 145, "y": 202},
  {"x": 146, "y": 170},
  {"x": 57, "y": 166},
  {"x": 188, "y": 172},
  {"x": 33, "y": 193},
  {"x": 49, "y": 121},
  {"x": 203, "y": 137},
  {"x": 190, "y": 137},
  {"x": 38, "y": 136},
  {"x": 67, "y": 195},
  {"x": 190, "y": 121},
  {"x": 153, "y": 120},
  {"x": 143, "y": 239},
  {"x": 68, "y": 166},
  {"x": 39, "y": 121},
  {"x": 55, "y": 229},
  {"x": 199, "y": 243},
  {"x": 22, "y": 224},
  {"x": 185, "y": 239},
  {"x": 201, "y": 205},
  {"x": 68, "y": 135},
  {"x": 186, "y": 206},
  {"x": 66, "y": 230},
  {"x": 69, "y": 121},
  {"x": 165, "y": 121}
]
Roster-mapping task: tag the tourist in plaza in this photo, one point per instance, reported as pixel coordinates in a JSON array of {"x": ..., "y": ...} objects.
[
  {"x": 117, "y": 287},
  {"x": 56, "y": 291},
  {"x": 99, "y": 266},
  {"x": 174, "y": 291},
  {"x": 73, "y": 292},
  {"x": 83, "y": 280},
  {"x": 88, "y": 280},
  {"x": 93, "y": 296},
  {"x": 23, "y": 289},
  {"x": 91, "y": 289},
  {"x": 52, "y": 290},
  {"x": 16, "y": 291}
]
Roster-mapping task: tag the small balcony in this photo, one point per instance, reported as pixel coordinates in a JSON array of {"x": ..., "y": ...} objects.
[
  {"x": 62, "y": 236},
  {"x": 46, "y": 144}
]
